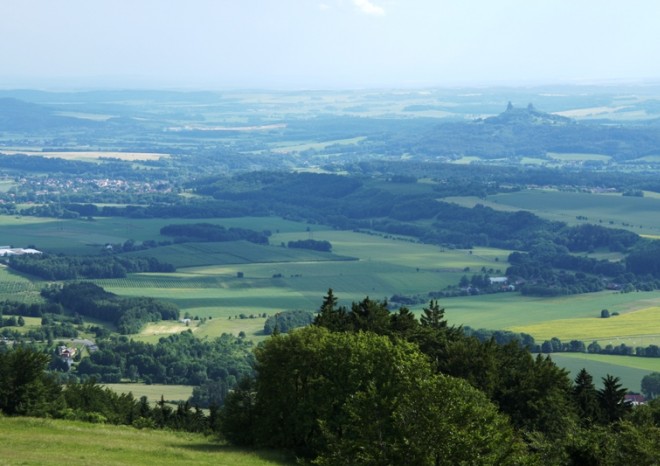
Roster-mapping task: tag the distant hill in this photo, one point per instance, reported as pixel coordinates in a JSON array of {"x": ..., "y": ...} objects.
[
  {"x": 19, "y": 115},
  {"x": 527, "y": 116},
  {"x": 524, "y": 132}
]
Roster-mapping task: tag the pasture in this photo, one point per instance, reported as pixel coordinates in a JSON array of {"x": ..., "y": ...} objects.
[
  {"x": 56, "y": 442},
  {"x": 170, "y": 393},
  {"x": 275, "y": 279},
  {"x": 627, "y": 368},
  {"x": 637, "y": 214}
]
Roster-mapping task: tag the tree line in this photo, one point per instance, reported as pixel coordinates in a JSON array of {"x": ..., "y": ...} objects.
[
  {"x": 211, "y": 232},
  {"x": 129, "y": 315},
  {"x": 59, "y": 267},
  {"x": 555, "y": 345},
  {"x": 175, "y": 359}
]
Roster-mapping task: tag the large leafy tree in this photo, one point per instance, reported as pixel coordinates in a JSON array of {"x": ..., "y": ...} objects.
[
  {"x": 362, "y": 398},
  {"x": 651, "y": 385}
]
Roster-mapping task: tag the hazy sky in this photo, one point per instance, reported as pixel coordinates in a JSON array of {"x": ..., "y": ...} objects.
[{"x": 325, "y": 43}]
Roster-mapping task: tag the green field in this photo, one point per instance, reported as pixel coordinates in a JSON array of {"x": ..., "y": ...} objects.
[
  {"x": 627, "y": 368},
  {"x": 90, "y": 236},
  {"x": 232, "y": 252},
  {"x": 638, "y": 214},
  {"x": 279, "y": 279},
  {"x": 30, "y": 441}
]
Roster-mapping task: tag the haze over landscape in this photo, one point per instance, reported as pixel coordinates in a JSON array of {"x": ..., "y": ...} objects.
[
  {"x": 322, "y": 44},
  {"x": 331, "y": 232}
]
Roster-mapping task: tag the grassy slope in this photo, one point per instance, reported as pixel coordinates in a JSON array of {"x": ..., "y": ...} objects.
[{"x": 29, "y": 441}]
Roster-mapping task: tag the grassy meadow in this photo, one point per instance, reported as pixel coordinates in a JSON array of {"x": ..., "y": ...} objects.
[{"x": 30, "y": 441}]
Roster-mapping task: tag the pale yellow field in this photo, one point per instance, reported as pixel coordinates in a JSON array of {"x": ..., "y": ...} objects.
[
  {"x": 153, "y": 392},
  {"x": 466, "y": 160},
  {"x": 642, "y": 326},
  {"x": 92, "y": 155},
  {"x": 578, "y": 157},
  {"x": 211, "y": 328}
]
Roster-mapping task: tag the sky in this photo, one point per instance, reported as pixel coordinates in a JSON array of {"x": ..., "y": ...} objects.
[{"x": 325, "y": 44}]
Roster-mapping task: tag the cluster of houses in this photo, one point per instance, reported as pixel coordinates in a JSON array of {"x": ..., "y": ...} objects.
[{"x": 66, "y": 354}]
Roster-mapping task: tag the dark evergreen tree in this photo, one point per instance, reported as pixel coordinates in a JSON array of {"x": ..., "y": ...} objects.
[
  {"x": 585, "y": 397},
  {"x": 433, "y": 316},
  {"x": 332, "y": 317},
  {"x": 612, "y": 400}
]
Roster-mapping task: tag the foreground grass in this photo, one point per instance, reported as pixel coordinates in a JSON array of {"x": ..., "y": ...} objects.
[{"x": 30, "y": 441}]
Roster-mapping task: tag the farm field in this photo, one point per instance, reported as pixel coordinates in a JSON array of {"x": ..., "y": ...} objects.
[
  {"x": 627, "y": 368},
  {"x": 634, "y": 328},
  {"x": 638, "y": 214},
  {"x": 89, "y": 237},
  {"x": 17, "y": 287},
  {"x": 283, "y": 279},
  {"x": 510, "y": 310},
  {"x": 211, "y": 328},
  {"x": 232, "y": 252},
  {"x": 56, "y": 442},
  {"x": 171, "y": 393}
]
